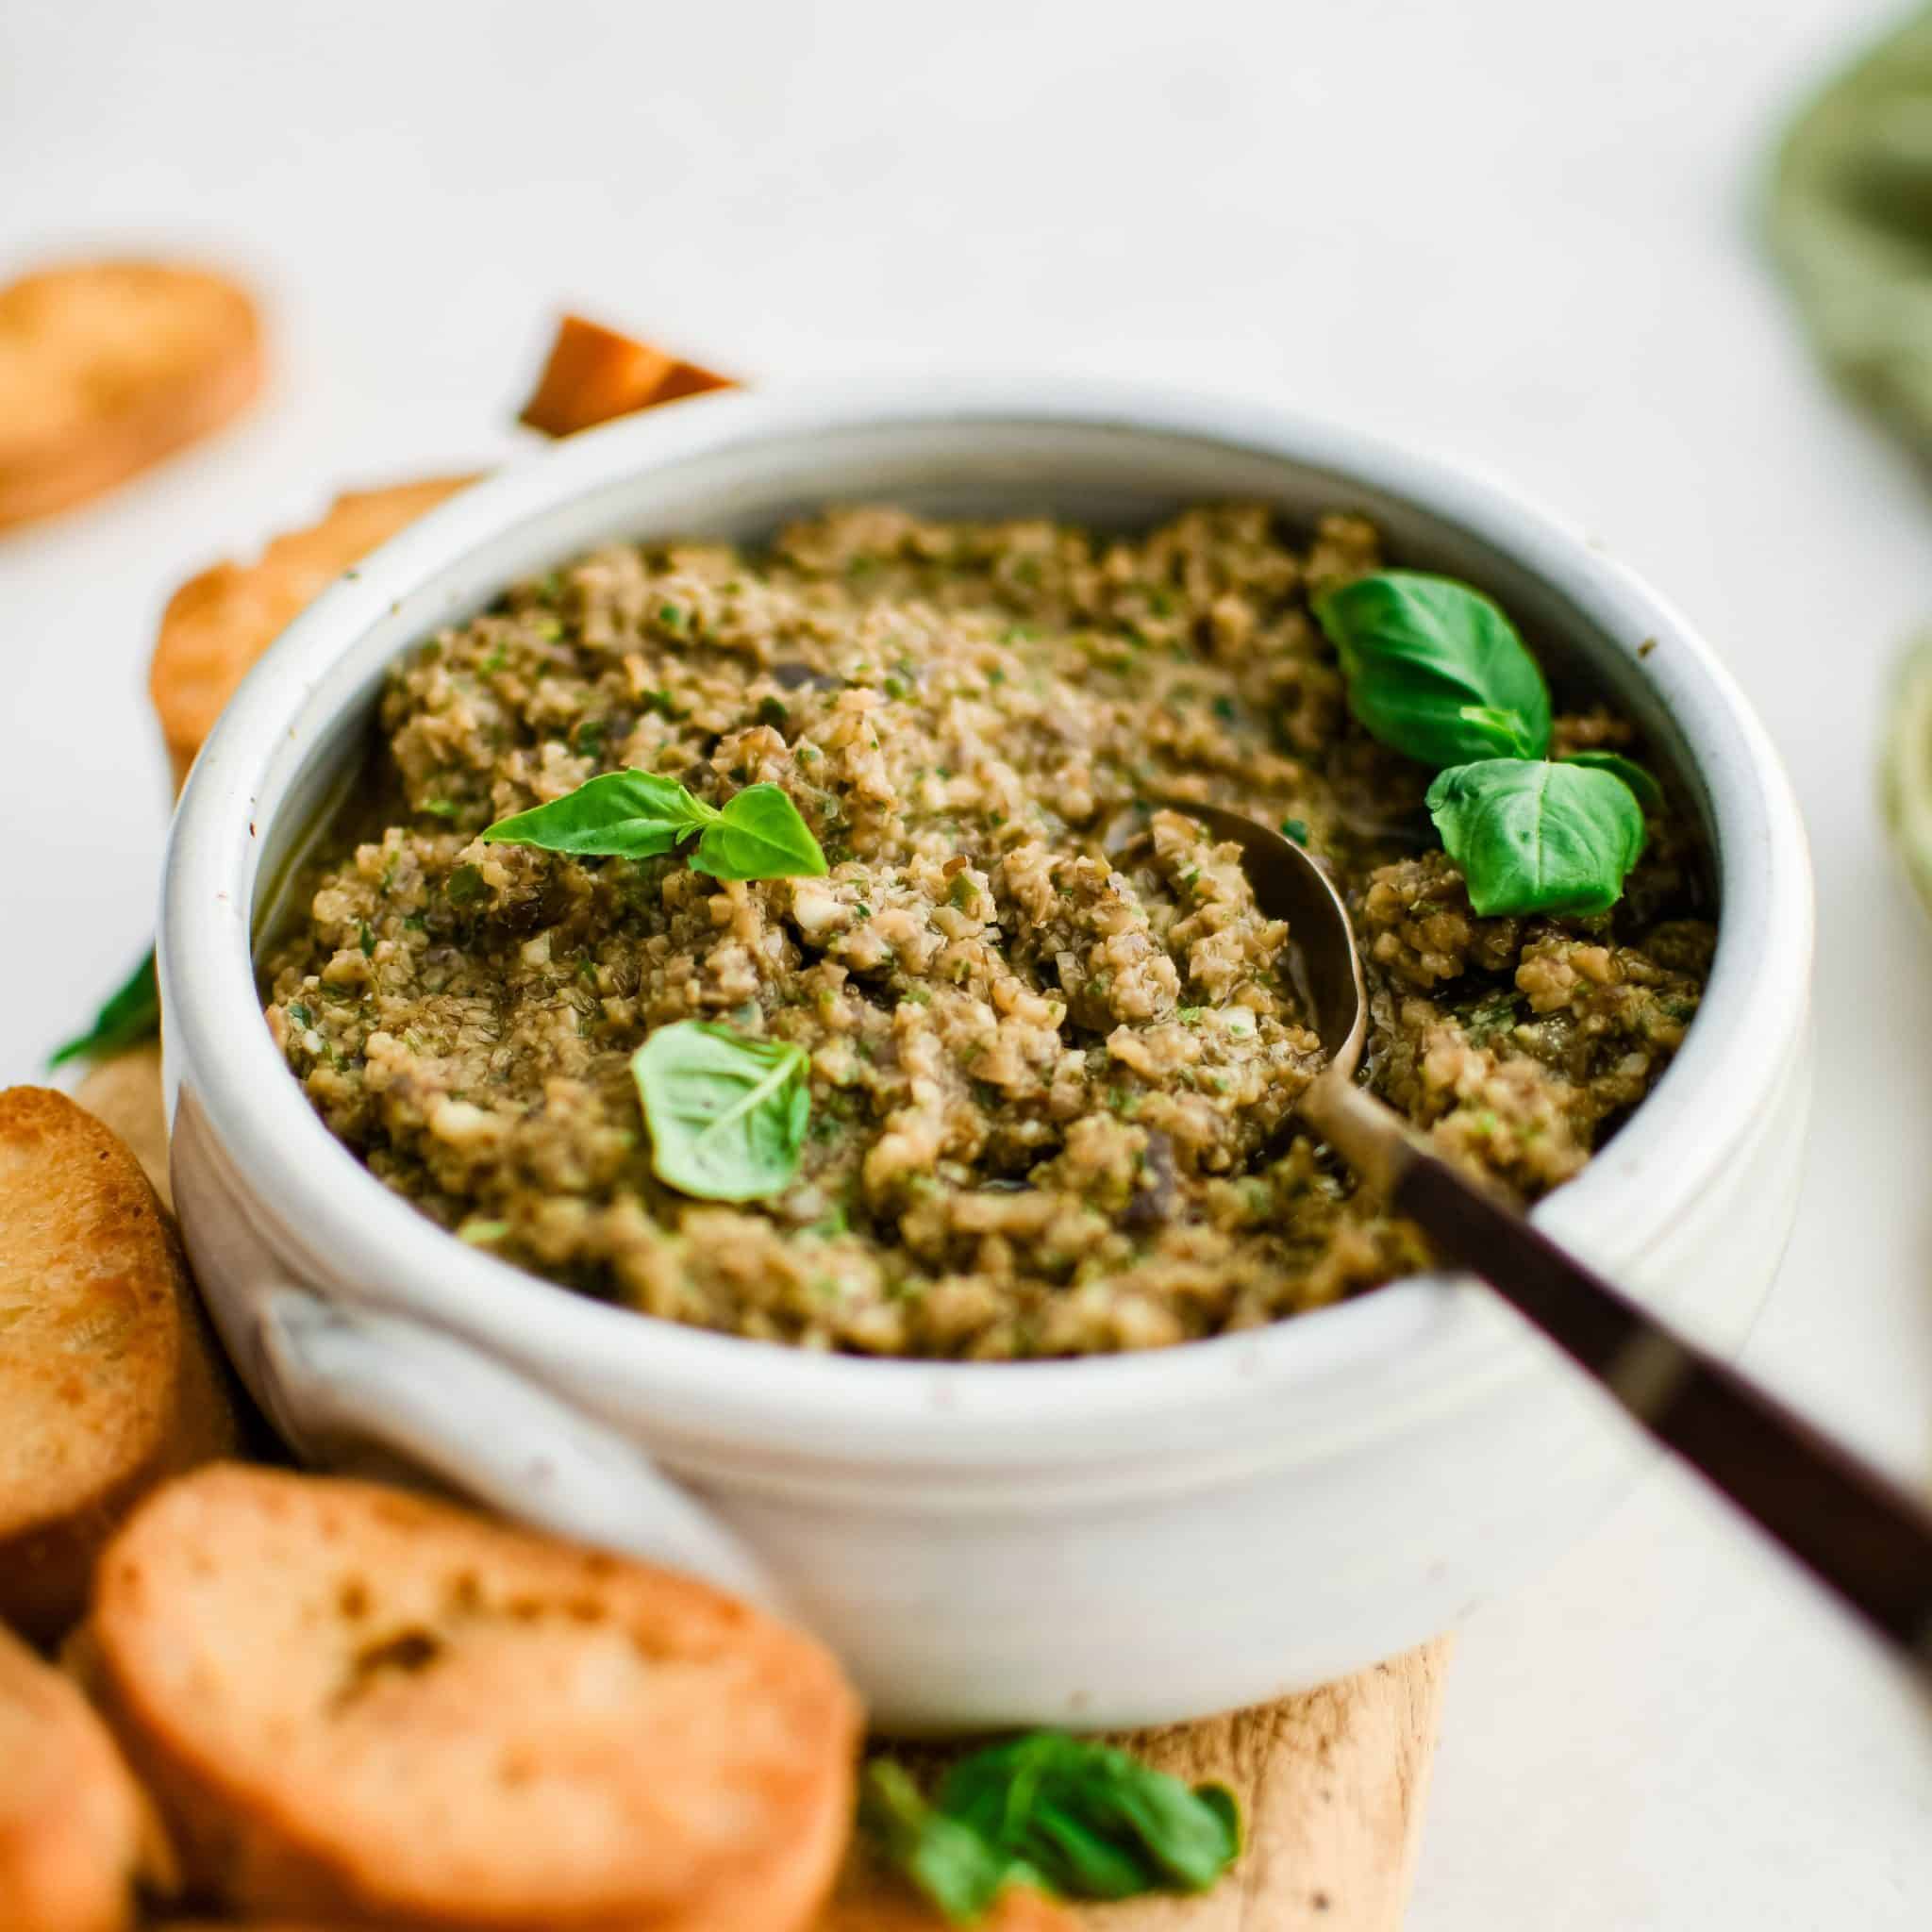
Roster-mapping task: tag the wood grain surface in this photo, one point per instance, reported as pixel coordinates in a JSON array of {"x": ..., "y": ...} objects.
[{"x": 1333, "y": 1786}]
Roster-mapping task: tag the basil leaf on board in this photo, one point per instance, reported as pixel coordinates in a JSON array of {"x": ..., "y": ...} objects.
[
  {"x": 727, "y": 1112},
  {"x": 621, "y": 815},
  {"x": 758, "y": 835},
  {"x": 1435, "y": 670},
  {"x": 1536, "y": 837},
  {"x": 132, "y": 1014},
  {"x": 1063, "y": 1814},
  {"x": 1849, "y": 223},
  {"x": 1094, "y": 1821},
  {"x": 950, "y": 1862},
  {"x": 1640, "y": 779}
]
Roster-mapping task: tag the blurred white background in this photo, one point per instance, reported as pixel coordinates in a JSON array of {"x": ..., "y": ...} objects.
[{"x": 1514, "y": 230}]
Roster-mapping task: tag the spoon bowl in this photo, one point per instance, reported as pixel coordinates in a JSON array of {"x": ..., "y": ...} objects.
[{"x": 1291, "y": 884}]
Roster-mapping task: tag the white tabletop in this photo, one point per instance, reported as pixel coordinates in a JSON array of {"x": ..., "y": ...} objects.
[{"x": 1512, "y": 229}]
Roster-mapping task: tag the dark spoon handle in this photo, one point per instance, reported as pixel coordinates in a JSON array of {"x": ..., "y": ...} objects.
[{"x": 1855, "y": 1531}]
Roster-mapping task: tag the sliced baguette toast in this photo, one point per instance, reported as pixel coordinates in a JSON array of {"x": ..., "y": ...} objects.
[
  {"x": 217, "y": 624},
  {"x": 593, "y": 373},
  {"x": 75, "y": 1832},
  {"x": 351, "y": 1703},
  {"x": 123, "y": 1094},
  {"x": 107, "y": 366},
  {"x": 109, "y": 1381}
]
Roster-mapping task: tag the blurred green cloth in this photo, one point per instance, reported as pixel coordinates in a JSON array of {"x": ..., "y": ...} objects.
[{"x": 1849, "y": 221}]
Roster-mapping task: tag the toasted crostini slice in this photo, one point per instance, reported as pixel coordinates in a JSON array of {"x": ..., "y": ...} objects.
[
  {"x": 595, "y": 373},
  {"x": 123, "y": 1094},
  {"x": 107, "y": 366},
  {"x": 350, "y": 1701},
  {"x": 76, "y": 1834},
  {"x": 108, "y": 1378},
  {"x": 217, "y": 624}
]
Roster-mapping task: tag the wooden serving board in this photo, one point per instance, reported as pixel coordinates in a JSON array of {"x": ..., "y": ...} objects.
[{"x": 1333, "y": 1785}]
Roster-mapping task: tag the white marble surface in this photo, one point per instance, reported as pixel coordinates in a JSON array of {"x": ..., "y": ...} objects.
[{"x": 1509, "y": 228}]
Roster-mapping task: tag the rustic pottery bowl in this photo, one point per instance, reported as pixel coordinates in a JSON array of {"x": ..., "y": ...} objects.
[{"x": 1105, "y": 1541}]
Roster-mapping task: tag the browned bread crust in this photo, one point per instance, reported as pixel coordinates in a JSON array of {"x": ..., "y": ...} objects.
[
  {"x": 75, "y": 1832},
  {"x": 109, "y": 1381},
  {"x": 123, "y": 1094},
  {"x": 353, "y": 1704},
  {"x": 217, "y": 624},
  {"x": 593, "y": 373},
  {"x": 107, "y": 367}
]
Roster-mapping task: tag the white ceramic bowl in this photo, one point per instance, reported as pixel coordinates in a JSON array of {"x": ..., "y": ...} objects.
[{"x": 1116, "y": 1541}]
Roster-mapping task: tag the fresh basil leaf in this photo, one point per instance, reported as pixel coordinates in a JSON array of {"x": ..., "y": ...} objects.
[
  {"x": 758, "y": 835},
  {"x": 1639, "y": 778},
  {"x": 727, "y": 1112},
  {"x": 1091, "y": 1820},
  {"x": 1536, "y": 837},
  {"x": 619, "y": 815},
  {"x": 1435, "y": 670},
  {"x": 950, "y": 1862},
  {"x": 132, "y": 1014}
]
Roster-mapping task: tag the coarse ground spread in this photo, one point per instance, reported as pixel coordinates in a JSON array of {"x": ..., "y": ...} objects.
[{"x": 1053, "y": 1068}]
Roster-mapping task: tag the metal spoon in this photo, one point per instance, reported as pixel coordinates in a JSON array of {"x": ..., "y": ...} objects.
[{"x": 1852, "y": 1528}]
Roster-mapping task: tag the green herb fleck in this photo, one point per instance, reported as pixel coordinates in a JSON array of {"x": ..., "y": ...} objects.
[{"x": 466, "y": 887}]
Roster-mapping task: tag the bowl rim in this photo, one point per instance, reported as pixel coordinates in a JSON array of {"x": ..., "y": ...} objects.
[{"x": 728, "y": 1389}]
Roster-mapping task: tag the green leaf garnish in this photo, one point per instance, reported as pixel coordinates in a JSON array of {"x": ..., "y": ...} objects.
[
  {"x": 727, "y": 1112},
  {"x": 757, "y": 834},
  {"x": 1536, "y": 837},
  {"x": 1639, "y": 778},
  {"x": 132, "y": 1014},
  {"x": 950, "y": 1862},
  {"x": 621, "y": 815},
  {"x": 1435, "y": 670},
  {"x": 1065, "y": 1814}
]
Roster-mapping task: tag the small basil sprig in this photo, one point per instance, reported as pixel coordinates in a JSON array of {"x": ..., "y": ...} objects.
[
  {"x": 955, "y": 1868},
  {"x": 1434, "y": 669},
  {"x": 727, "y": 1112},
  {"x": 1533, "y": 836},
  {"x": 1063, "y": 1814},
  {"x": 131, "y": 1014},
  {"x": 757, "y": 834}
]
